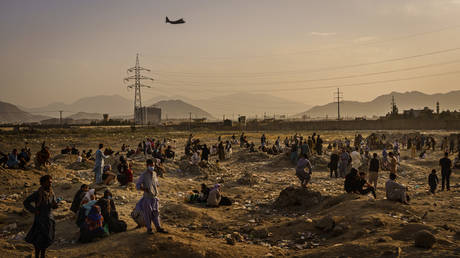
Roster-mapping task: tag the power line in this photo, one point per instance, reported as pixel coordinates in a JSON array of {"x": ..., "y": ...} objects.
[
  {"x": 396, "y": 38},
  {"x": 332, "y": 68},
  {"x": 328, "y": 78},
  {"x": 362, "y": 84}
]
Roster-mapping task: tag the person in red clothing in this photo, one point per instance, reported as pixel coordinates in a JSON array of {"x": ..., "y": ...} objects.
[{"x": 125, "y": 173}]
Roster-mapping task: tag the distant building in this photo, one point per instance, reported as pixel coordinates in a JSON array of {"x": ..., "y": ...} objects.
[
  {"x": 418, "y": 113},
  {"x": 147, "y": 115}
]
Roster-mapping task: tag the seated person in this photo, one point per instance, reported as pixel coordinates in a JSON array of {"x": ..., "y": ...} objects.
[
  {"x": 89, "y": 153},
  {"x": 88, "y": 201},
  {"x": 107, "y": 175},
  {"x": 79, "y": 158},
  {"x": 66, "y": 150},
  {"x": 204, "y": 193},
  {"x": 110, "y": 214},
  {"x": 351, "y": 181},
  {"x": 42, "y": 157},
  {"x": 13, "y": 161},
  {"x": 395, "y": 191},
  {"x": 170, "y": 154},
  {"x": 252, "y": 147},
  {"x": 195, "y": 159},
  {"x": 159, "y": 168},
  {"x": 77, "y": 199},
  {"x": 214, "y": 196},
  {"x": 74, "y": 151},
  {"x": 125, "y": 173},
  {"x": 363, "y": 183},
  {"x": 24, "y": 158},
  {"x": 93, "y": 226}
]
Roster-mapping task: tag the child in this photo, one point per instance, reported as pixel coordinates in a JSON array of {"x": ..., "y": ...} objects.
[{"x": 433, "y": 181}]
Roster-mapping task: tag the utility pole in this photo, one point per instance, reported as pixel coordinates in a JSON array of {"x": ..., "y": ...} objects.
[
  {"x": 137, "y": 77},
  {"x": 338, "y": 96},
  {"x": 60, "y": 117},
  {"x": 190, "y": 121}
]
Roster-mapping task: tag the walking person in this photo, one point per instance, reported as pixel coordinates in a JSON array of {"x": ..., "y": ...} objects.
[
  {"x": 374, "y": 170},
  {"x": 42, "y": 233},
  {"x": 446, "y": 171},
  {"x": 333, "y": 164},
  {"x": 149, "y": 204}
]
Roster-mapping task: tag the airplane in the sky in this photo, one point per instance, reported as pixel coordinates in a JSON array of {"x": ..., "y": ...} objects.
[{"x": 180, "y": 21}]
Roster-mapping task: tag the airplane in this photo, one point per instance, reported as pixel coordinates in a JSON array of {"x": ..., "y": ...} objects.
[{"x": 180, "y": 21}]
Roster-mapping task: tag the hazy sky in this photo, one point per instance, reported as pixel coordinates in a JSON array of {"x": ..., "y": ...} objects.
[{"x": 62, "y": 50}]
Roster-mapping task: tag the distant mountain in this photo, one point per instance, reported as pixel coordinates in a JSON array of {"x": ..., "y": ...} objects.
[
  {"x": 174, "y": 109},
  {"x": 113, "y": 105},
  {"x": 250, "y": 104},
  {"x": 10, "y": 113},
  {"x": 84, "y": 115},
  {"x": 381, "y": 105},
  {"x": 159, "y": 98}
]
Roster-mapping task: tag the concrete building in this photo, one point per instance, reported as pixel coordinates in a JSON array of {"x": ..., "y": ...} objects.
[{"x": 147, "y": 116}]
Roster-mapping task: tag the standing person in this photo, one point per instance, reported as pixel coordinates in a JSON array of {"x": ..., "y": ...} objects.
[
  {"x": 433, "y": 181},
  {"x": 333, "y": 164},
  {"x": 446, "y": 170},
  {"x": 304, "y": 148},
  {"x": 300, "y": 172},
  {"x": 41, "y": 235},
  {"x": 99, "y": 164},
  {"x": 343, "y": 165},
  {"x": 319, "y": 145},
  {"x": 221, "y": 151},
  {"x": 393, "y": 163},
  {"x": 204, "y": 153},
  {"x": 355, "y": 159},
  {"x": 374, "y": 170},
  {"x": 149, "y": 204},
  {"x": 263, "y": 140}
]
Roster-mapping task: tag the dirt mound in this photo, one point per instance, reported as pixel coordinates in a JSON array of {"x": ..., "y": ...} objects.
[
  {"x": 333, "y": 201},
  {"x": 204, "y": 169},
  {"x": 319, "y": 161},
  {"x": 80, "y": 165},
  {"x": 248, "y": 179},
  {"x": 293, "y": 197},
  {"x": 244, "y": 156}
]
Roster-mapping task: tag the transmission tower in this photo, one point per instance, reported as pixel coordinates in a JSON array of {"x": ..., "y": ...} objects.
[
  {"x": 338, "y": 97},
  {"x": 137, "y": 77}
]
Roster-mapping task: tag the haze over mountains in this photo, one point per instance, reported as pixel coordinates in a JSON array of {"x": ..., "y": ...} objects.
[
  {"x": 179, "y": 109},
  {"x": 382, "y": 105},
  {"x": 9, "y": 113},
  {"x": 238, "y": 103}
]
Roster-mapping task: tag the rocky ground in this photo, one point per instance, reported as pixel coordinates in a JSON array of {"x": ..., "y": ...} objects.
[{"x": 271, "y": 215}]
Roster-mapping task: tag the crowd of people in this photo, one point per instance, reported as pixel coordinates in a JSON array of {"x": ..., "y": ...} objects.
[{"x": 97, "y": 217}]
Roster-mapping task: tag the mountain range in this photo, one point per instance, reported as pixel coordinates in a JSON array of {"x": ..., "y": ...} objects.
[
  {"x": 382, "y": 105},
  {"x": 10, "y": 113},
  {"x": 238, "y": 103}
]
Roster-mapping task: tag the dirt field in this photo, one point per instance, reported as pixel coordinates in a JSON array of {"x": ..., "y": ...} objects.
[{"x": 320, "y": 222}]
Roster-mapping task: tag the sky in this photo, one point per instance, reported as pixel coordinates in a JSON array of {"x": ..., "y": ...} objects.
[{"x": 301, "y": 50}]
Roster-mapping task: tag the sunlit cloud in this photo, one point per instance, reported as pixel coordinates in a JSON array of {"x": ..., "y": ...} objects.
[
  {"x": 323, "y": 34},
  {"x": 364, "y": 39}
]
